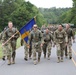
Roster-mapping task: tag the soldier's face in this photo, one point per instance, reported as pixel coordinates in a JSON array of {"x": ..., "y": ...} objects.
[
  {"x": 47, "y": 31},
  {"x": 35, "y": 28},
  {"x": 67, "y": 26},
  {"x": 60, "y": 28},
  {"x": 10, "y": 25}
]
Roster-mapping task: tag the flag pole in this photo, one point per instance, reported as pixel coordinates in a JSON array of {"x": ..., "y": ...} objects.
[
  {"x": 35, "y": 18},
  {"x": 10, "y": 38}
]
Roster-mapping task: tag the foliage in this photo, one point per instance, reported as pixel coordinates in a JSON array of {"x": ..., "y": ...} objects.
[
  {"x": 53, "y": 14},
  {"x": 19, "y": 12}
]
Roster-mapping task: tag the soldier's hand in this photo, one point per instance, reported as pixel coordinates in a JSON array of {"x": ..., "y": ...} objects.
[
  {"x": 2, "y": 44},
  {"x": 41, "y": 45},
  {"x": 28, "y": 46},
  {"x": 13, "y": 36}
]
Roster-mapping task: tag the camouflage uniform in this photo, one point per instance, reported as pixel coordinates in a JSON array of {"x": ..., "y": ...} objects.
[
  {"x": 70, "y": 36},
  {"x": 5, "y": 46},
  {"x": 35, "y": 38},
  {"x": 11, "y": 44},
  {"x": 60, "y": 43},
  {"x": 47, "y": 38},
  {"x": 26, "y": 52}
]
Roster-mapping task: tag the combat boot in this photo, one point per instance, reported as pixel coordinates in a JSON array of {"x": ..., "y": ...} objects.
[
  {"x": 44, "y": 55},
  {"x": 9, "y": 61},
  {"x": 70, "y": 57},
  {"x": 61, "y": 59},
  {"x": 3, "y": 58},
  {"x": 58, "y": 60},
  {"x": 26, "y": 59},
  {"x": 48, "y": 57},
  {"x": 38, "y": 59},
  {"x": 13, "y": 61},
  {"x": 35, "y": 62}
]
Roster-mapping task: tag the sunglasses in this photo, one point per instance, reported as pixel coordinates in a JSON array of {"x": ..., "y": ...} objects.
[{"x": 35, "y": 27}]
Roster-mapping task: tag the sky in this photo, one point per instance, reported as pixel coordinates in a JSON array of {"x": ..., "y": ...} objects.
[{"x": 52, "y": 3}]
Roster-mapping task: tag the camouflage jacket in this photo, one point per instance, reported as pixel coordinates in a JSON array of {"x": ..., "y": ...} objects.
[
  {"x": 8, "y": 33},
  {"x": 60, "y": 36},
  {"x": 35, "y": 36},
  {"x": 69, "y": 33},
  {"x": 48, "y": 37}
]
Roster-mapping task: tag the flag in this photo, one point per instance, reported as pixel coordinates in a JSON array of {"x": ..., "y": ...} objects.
[{"x": 24, "y": 31}]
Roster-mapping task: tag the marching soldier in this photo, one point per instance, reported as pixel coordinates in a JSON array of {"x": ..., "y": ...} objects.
[
  {"x": 47, "y": 38},
  {"x": 60, "y": 36},
  {"x": 70, "y": 36},
  {"x": 35, "y": 37},
  {"x": 12, "y": 43}
]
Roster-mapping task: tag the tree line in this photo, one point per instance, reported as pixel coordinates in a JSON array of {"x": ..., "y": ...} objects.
[
  {"x": 19, "y": 12},
  {"x": 60, "y": 15}
]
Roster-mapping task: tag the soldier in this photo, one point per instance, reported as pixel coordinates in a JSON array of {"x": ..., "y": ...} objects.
[
  {"x": 47, "y": 38},
  {"x": 3, "y": 48},
  {"x": 35, "y": 37},
  {"x": 70, "y": 36},
  {"x": 12, "y": 43},
  {"x": 60, "y": 36}
]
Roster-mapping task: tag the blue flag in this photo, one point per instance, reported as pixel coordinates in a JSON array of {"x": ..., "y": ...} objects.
[{"x": 24, "y": 31}]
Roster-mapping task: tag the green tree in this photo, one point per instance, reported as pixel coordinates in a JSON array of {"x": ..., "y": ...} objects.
[{"x": 18, "y": 11}]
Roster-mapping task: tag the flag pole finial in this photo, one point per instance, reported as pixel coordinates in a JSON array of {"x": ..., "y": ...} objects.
[{"x": 35, "y": 18}]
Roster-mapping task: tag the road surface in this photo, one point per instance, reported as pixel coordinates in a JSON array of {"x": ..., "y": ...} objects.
[{"x": 45, "y": 67}]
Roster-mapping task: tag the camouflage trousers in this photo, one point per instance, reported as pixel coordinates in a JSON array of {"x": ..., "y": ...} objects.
[
  {"x": 47, "y": 47},
  {"x": 26, "y": 52},
  {"x": 11, "y": 49},
  {"x": 6, "y": 50},
  {"x": 68, "y": 49},
  {"x": 60, "y": 49},
  {"x": 13, "y": 46},
  {"x": 36, "y": 49}
]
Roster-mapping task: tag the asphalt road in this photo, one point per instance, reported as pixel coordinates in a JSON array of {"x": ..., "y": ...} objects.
[{"x": 45, "y": 67}]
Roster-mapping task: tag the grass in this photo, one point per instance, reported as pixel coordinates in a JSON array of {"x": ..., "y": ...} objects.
[{"x": 18, "y": 45}]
